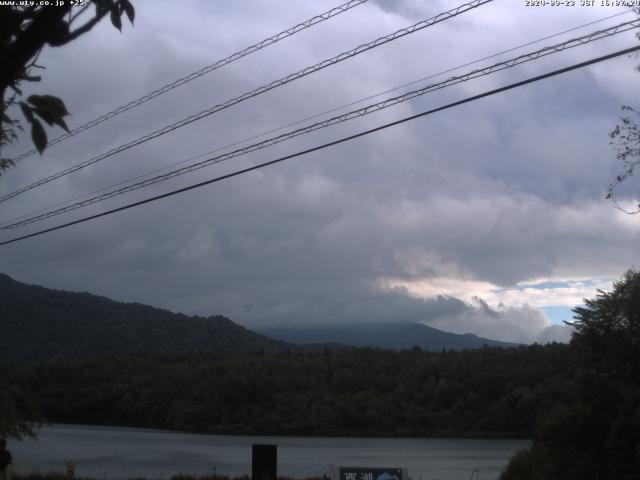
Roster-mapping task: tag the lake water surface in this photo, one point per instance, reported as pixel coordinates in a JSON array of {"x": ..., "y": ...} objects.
[{"x": 110, "y": 453}]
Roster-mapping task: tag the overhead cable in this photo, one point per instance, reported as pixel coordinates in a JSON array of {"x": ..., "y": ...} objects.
[
  {"x": 265, "y": 88},
  {"x": 511, "y": 86},
  {"x": 305, "y": 119},
  {"x": 375, "y": 107},
  {"x": 203, "y": 71},
  {"x": 302, "y": 120}
]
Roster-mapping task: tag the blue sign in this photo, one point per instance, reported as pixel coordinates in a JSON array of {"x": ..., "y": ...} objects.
[{"x": 365, "y": 473}]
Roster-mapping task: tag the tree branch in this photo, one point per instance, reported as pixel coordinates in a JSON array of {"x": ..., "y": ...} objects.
[
  {"x": 45, "y": 25},
  {"x": 83, "y": 29}
]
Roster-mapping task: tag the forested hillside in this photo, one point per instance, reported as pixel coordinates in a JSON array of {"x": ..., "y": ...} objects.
[
  {"x": 489, "y": 392},
  {"x": 42, "y": 324},
  {"x": 593, "y": 430}
]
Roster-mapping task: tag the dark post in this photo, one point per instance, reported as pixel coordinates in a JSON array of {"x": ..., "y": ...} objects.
[{"x": 264, "y": 462}]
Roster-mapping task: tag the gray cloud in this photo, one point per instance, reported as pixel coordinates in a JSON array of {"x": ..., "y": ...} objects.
[
  {"x": 513, "y": 324},
  {"x": 502, "y": 190},
  {"x": 555, "y": 333}
]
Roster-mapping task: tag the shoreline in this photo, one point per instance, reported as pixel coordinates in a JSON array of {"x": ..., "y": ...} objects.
[
  {"x": 59, "y": 475},
  {"x": 400, "y": 436},
  {"x": 117, "y": 453}
]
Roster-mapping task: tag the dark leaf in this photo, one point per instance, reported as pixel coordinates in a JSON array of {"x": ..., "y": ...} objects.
[
  {"x": 45, "y": 115},
  {"x": 26, "y": 111},
  {"x": 101, "y": 6},
  {"x": 6, "y": 119},
  {"x": 53, "y": 105},
  {"x": 61, "y": 123},
  {"x": 50, "y": 109},
  {"x": 128, "y": 9},
  {"x": 115, "y": 18},
  {"x": 38, "y": 135}
]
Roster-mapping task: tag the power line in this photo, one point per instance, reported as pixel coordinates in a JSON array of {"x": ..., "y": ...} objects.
[
  {"x": 265, "y": 88},
  {"x": 302, "y": 120},
  {"x": 510, "y": 63},
  {"x": 317, "y": 115},
  {"x": 533, "y": 42},
  {"x": 330, "y": 144},
  {"x": 203, "y": 71}
]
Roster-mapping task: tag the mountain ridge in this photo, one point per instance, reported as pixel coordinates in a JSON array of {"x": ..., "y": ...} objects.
[
  {"x": 395, "y": 336},
  {"x": 44, "y": 324}
]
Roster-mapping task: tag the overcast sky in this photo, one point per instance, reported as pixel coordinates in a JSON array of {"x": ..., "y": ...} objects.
[{"x": 487, "y": 218}]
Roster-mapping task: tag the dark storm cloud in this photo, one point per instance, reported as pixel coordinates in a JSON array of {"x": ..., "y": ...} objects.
[{"x": 503, "y": 190}]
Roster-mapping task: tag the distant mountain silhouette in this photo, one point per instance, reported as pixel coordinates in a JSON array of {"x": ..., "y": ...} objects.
[
  {"x": 397, "y": 336},
  {"x": 38, "y": 324}
]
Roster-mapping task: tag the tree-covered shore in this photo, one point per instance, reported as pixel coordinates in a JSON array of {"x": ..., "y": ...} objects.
[
  {"x": 63, "y": 476},
  {"x": 488, "y": 392},
  {"x": 593, "y": 431},
  {"x": 579, "y": 403}
]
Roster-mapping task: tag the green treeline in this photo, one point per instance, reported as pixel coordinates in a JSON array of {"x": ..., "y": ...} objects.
[
  {"x": 180, "y": 476},
  {"x": 488, "y": 392},
  {"x": 593, "y": 431},
  {"x": 579, "y": 403}
]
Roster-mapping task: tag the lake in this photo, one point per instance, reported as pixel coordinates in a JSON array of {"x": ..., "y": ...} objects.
[{"x": 116, "y": 453}]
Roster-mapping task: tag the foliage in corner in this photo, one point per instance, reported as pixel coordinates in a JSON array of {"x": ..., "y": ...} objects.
[
  {"x": 20, "y": 414},
  {"x": 594, "y": 432},
  {"x": 625, "y": 138},
  {"x": 24, "y": 32},
  {"x": 25, "y": 29}
]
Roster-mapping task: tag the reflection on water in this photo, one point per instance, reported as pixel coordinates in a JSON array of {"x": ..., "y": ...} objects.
[{"x": 111, "y": 453}]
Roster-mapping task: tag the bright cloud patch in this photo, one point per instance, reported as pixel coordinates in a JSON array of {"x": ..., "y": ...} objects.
[
  {"x": 528, "y": 312},
  {"x": 546, "y": 293},
  {"x": 540, "y": 293}
]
